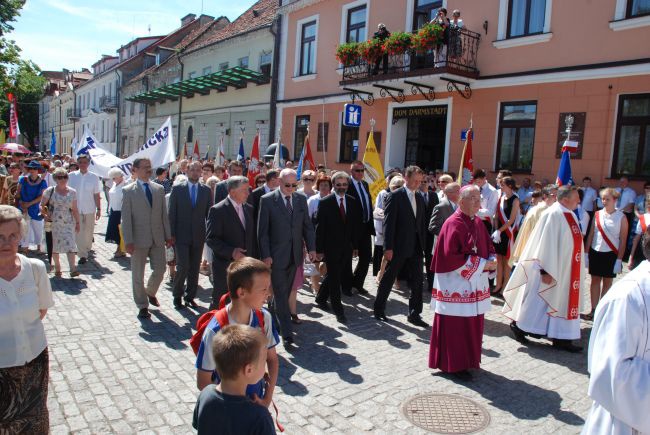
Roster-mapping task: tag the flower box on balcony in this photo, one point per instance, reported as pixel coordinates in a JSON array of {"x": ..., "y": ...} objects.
[
  {"x": 428, "y": 37},
  {"x": 371, "y": 50},
  {"x": 398, "y": 43},
  {"x": 347, "y": 54}
]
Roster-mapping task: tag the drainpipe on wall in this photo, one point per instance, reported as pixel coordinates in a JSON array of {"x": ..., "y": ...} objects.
[
  {"x": 60, "y": 119},
  {"x": 180, "y": 110},
  {"x": 277, "y": 34},
  {"x": 145, "y": 80},
  {"x": 118, "y": 124}
]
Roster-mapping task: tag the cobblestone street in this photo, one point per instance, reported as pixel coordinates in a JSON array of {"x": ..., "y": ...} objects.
[{"x": 112, "y": 373}]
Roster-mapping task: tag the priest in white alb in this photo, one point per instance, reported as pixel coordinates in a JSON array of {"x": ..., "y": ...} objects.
[
  {"x": 463, "y": 258},
  {"x": 619, "y": 356},
  {"x": 544, "y": 296}
]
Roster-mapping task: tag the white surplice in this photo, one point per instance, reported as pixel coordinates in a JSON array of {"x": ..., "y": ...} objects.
[
  {"x": 619, "y": 358},
  {"x": 550, "y": 248}
]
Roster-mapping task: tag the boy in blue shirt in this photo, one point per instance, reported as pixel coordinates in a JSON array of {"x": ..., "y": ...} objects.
[
  {"x": 249, "y": 282},
  {"x": 240, "y": 354}
]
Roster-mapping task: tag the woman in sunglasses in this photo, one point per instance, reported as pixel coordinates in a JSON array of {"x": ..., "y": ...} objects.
[
  {"x": 308, "y": 178},
  {"x": 59, "y": 205}
]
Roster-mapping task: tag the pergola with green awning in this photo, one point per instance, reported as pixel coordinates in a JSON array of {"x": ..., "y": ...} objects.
[{"x": 237, "y": 77}]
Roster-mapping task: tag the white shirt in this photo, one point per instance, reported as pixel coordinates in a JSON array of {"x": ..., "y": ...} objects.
[
  {"x": 590, "y": 195},
  {"x": 628, "y": 196},
  {"x": 611, "y": 225},
  {"x": 22, "y": 337},
  {"x": 489, "y": 201},
  {"x": 411, "y": 194},
  {"x": 312, "y": 204},
  {"x": 86, "y": 185},
  {"x": 115, "y": 195}
]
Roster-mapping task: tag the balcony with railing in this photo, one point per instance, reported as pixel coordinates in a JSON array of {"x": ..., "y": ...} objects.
[
  {"x": 73, "y": 114},
  {"x": 108, "y": 104},
  {"x": 457, "y": 57}
]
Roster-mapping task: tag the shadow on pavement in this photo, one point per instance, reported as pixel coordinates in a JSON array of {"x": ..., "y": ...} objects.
[
  {"x": 524, "y": 401},
  {"x": 68, "y": 286},
  {"x": 165, "y": 331}
]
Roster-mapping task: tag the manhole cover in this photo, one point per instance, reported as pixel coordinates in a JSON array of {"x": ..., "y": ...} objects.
[{"x": 446, "y": 413}]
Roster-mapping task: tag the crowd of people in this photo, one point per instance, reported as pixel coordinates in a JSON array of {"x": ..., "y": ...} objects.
[{"x": 261, "y": 240}]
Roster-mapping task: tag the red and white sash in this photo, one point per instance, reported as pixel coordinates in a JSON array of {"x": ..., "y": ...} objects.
[
  {"x": 643, "y": 222},
  {"x": 573, "y": 310},
  {"x": 509, "y": 230},
  {"x": 601, "y": 228}
]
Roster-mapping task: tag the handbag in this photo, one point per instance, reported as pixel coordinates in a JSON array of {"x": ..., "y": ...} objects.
[{"x": 47, "y": 209}]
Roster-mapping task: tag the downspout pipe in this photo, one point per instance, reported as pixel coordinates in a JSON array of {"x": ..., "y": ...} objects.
[
  {"x": 145, "y": 79},
  {"x": 180, "y": 111},
  {"x": 276, "y": 31},
  {"x": 118, "y": 134}
]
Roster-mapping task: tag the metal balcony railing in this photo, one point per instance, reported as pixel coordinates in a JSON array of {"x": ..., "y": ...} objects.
[
  {"x": 458, "y": 57},
  {"x": 108, "y": 103}
]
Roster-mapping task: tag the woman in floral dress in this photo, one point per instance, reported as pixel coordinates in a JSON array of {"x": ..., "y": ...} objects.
[{"x": 59, "y": 205}]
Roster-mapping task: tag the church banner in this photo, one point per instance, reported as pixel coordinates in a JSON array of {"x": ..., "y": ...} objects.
[{"x": 160, "y": 149}]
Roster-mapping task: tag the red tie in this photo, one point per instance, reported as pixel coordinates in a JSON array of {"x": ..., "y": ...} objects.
[{"x": 342, "y": 209}]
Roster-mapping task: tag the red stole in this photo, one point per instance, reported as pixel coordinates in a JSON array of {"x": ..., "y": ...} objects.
[
  {"x": 604, "y": 234},
  {"x": 574, "y": 288}
]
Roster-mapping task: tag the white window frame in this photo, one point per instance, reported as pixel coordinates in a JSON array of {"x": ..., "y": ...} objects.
[
  {"x": 298, "y": 48},
  {"x": 344, "y": 17},
  {"x": 502, "y": 28},
  {"x": 620, "y": 22}
]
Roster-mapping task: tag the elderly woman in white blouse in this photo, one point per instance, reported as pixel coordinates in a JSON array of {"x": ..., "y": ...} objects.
[
  {"x": 25, "y": 296},
  {"x": 115, "y": 214}
]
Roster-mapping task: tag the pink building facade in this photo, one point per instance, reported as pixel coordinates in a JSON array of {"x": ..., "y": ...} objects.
[{"x": 517, "y": 70}]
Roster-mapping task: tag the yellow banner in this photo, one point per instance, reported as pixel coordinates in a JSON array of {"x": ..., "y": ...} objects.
[
  {"x": 374, "y": 174},
  {"x": 3, "y": 139}
]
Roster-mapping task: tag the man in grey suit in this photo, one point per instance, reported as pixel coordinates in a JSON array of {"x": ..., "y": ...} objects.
[
  {"x": 221, "y": 190},
  {"x": 444, "y": 209},
  {"x": 145, "y": 229},
  {"x": 189, "y": 204},
  {"x": 231, "y": 233},
  {"x": 282, "y": 226}
]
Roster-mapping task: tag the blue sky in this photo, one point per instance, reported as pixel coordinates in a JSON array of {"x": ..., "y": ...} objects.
[{"x": 73, "y": 34}]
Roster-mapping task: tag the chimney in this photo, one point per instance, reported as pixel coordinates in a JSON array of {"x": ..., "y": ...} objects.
[
  {"x": 187, "y": 19},
  {"x": 205, "y": 19}
]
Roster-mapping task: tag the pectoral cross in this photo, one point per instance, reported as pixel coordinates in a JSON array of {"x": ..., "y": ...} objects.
[{"x": 474, "y": 249}]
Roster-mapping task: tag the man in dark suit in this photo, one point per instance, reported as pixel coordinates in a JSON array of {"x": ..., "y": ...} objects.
[
  {"x": 446, "y": 208},
  {"x": 188, "y": 207},
  {"x": 359, "y": 190},
  {"x": 272, "y": 183},
  {"x": 337, "y": 239},
  {"x": 404, "y": 243},
  {"x": 430, "y": 201},
  {"x": 221, "y": 189},
  {"x": 230, "y": 233},
  {"x": 282, "y": 226}
]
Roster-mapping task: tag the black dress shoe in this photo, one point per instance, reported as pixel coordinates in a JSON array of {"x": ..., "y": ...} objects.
[
  {"x": 178, "y": 303},
  {"x": 347, "y": 292},
  {"x": 143, "y": 313},
  {"x": 191, "y": 303},
  {"x": 324, "y": 306},
  {"x": 363, "y": 291},
  {"x": 566, "y": 345},
  {"x": 520, "y": 335},
  {"x": 83, "y": 260},
  {"x": 341, "y": 318},
  {"x": 153, "y": 301},
  {"x": 381, "y": 317},
  {"x": 463, "y": 375},
  {"x": 417, "y": 321}
]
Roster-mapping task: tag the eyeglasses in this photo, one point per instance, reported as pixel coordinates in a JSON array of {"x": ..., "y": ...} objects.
[
  {"x": 61, "y": 177},
  {"x": 341, "y": 184},
  {"x": 308, "y": 179},
  {"x": 358, "y": 170},
  {"x": 292, "y": 185},
  {"x": 261, "y": 180}
]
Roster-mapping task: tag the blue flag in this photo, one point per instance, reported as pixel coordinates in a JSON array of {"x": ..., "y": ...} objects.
[
  {"x": 564, "y": 176},
  {"x": 300, "y": 164},
  {"x": 53, "y": 144},
  {"x": 240, "y": 155}
]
